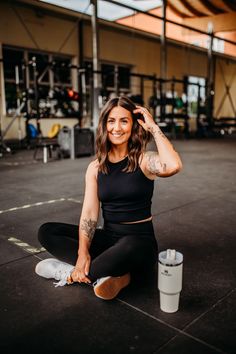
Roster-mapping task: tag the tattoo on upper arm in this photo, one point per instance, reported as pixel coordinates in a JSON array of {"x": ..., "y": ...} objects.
[
  {"x": 154, "y": 165},
  {"x": 89, "y": 227}
]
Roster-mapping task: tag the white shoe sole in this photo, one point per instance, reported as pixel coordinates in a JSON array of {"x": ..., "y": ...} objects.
[{"x": 109, "y": 288}]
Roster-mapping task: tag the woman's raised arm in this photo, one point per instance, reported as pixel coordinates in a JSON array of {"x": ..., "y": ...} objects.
[{"x": 166, "y": 162}]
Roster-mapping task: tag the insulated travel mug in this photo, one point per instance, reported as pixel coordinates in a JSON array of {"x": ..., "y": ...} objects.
[{"x": 170, "y": 274}]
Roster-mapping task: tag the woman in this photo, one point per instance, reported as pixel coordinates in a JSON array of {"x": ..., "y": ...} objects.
[{"x": 122, "y": 180}]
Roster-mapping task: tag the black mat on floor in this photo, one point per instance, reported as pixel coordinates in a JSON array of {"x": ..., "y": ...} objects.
[
  {"x": 69, "y": 319},
  {"x": 194, "y": 212}
]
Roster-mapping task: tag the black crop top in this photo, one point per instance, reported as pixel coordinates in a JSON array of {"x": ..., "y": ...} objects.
[{"x": 125, "y": 196}]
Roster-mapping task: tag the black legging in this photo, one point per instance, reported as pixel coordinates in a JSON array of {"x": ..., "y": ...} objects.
[{"x": 115, "y": 250}]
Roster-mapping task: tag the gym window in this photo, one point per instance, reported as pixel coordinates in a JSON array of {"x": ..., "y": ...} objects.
[
  {"x": 11, "y": 58},
  {"x": 124, "y": 77},
  {"x": 193, "y": 87},
  {"x": 62, "y": 72},
  {"x": 52, "y": 71},
  {"x": 108, "y": 80}
]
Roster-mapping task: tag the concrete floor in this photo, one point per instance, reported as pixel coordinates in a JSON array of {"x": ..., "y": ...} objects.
[{"x": 193, "y": 212}]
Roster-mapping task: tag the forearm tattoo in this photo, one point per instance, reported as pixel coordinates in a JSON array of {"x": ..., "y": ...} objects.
[
  {"x": 89, "y": 227},
  {"x": 155, "y": 132},
  {"x": 154, "y": 165}
]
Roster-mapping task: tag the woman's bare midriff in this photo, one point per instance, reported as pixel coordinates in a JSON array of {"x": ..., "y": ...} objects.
[{"x": 137, "y": 222}]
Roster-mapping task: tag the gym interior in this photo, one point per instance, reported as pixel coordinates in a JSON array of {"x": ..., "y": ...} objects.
[{"x": 60, "y": 62}]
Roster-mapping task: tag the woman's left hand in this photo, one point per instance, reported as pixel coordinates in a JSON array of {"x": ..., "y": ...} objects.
[{"x": 148, "y": 124}]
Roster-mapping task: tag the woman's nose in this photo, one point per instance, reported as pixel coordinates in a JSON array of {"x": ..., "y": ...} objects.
[{"x": 117, "y": 126}]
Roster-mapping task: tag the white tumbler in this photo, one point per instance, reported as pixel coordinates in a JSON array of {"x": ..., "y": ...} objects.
[{"x": 170, "y": 275}]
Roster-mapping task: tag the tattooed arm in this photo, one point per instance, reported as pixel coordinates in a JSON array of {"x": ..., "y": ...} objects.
[
  {"x": 90, "y": 209},
  {"x": 87, "y": 225},
  {"x": 164, "y": 163},
  {"x": 154, "y": 165}
]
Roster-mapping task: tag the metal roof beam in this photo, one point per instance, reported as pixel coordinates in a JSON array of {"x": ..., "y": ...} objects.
[
  {"x": 191, "y": 8},
  {"x": 169, "y": 21},
  {"x": 176, "y": 10},
  {"x": 222, "y": 23},
  {"x": 211, "y": 7},
  {"x": 230, "y": 4}
]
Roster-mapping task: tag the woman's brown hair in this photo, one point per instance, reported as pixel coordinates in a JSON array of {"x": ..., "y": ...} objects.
[{"x": 137, "y": 141}]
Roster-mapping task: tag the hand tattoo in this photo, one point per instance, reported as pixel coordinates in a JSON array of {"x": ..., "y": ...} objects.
[{"x": 89, "y": 227}]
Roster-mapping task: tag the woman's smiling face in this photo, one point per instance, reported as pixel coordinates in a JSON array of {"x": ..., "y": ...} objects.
[{"x": 119, "y": 125}]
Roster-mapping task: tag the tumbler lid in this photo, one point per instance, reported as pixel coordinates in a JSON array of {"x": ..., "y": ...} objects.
[{"x": 170, "y": 257}]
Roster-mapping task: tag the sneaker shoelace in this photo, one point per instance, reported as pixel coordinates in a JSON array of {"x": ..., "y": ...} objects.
[
  {"x": 62, "y": 276},
  {"x": 100, "y": 280}
]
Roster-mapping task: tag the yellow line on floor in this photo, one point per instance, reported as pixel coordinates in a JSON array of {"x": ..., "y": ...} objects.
[{"x": 25, "y": 246}]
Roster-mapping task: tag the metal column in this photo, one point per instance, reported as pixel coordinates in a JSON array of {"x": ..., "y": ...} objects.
[
  {"x": 210, "y": 78},
  {"x": 96, "y": 67},
  {"x": 163, "y": 53},
  {"x": 81, "y": 75},
  {"x": 163, "y": 59},
  {"x": 2, "y": 90}
]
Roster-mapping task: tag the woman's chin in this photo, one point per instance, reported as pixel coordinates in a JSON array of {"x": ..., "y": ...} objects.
[{"x": 118, "y": 141}]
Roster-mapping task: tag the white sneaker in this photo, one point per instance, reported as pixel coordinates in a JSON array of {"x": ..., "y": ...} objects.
[
  {"x": 53, "y": 268},
  {"x": 107, "y": 288}
]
